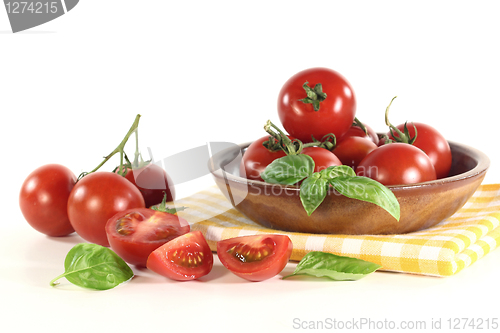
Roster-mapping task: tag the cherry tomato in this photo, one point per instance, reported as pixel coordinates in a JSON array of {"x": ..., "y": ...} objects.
[
  {"x": 134, "y": 233},
  {"x": 397, "y": 164},
  {"x": 433, "y": 144},
  {"x": 357, "y": 131},
  {"x": 184, "y": 258},
  {"x": 255, "y": 257},
  {"x": 323, "y": 158},
  {"x": 257, "y": 158},
  {"x": 153, "y": 182},
  {"x": 95, "y": 199},
  {"x": 335, "y": 113},
  {"x": 44, "y": 197},
  {"x": 352, "y": 150}
]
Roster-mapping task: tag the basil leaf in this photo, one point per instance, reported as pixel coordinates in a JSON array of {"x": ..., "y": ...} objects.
[
  {"x": 369, "y": 190},
  {"x": 95, "y": 267},
  {"x": 288, "y": 170},
  {"x": 313, "y": 191},
  {"x": 338, "y": 268},
  {"x": 337, "y": 171}
]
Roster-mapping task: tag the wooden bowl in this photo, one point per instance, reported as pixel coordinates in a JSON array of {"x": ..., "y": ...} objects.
[{"x": 279, "y": 207}]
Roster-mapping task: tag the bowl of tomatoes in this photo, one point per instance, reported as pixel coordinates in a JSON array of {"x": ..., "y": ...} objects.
[
  {"x": 422, "y": 205},
  {"x": 326, "y": 172}
]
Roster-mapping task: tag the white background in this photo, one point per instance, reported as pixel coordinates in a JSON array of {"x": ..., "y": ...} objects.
[{"x": 201, "y": 71}]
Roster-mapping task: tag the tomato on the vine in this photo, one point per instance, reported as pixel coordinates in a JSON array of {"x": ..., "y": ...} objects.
[
  {"x": 397, "y": 164},
  {"x": 255, "y": 257},
  {"x": 153, "y": 182},
  {"x": 425, "y": 137},
  {"x": 95, "y": 199},
  {"x": 134, "y": 233},
  {"x": 44, "y": 197},
  {"x": 355, "y": 130},
  {"x": 352, "y": 150},
  {"x": 432, "y": 143},
  {"x": 316, "y": 102},
  {"x": 256, "y": 158},
  {"x": 184, "y": 258},
  {"x": 323, "y": 158}
]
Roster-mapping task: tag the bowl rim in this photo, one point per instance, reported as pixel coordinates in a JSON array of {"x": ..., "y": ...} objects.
[{"x": 483, "y": 163}]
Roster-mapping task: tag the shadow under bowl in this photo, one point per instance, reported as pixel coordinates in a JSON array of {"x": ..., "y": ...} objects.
[{"x": 423, "y": 205}]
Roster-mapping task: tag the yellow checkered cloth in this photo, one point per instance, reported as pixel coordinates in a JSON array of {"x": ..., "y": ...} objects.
[{"x": 442, "y": 250}]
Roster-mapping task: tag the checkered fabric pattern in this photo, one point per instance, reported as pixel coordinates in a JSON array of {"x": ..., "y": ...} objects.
[{"x": 442, "y": 250}]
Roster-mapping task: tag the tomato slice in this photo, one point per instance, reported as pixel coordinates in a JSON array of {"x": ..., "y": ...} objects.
[
  {"x": 255, "y": 257},
  {"x": 187, "y": 257},
  {"x": 134, "y": 233}
]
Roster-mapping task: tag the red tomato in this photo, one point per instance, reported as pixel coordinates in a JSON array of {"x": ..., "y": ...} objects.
[
  {"x": 397, "y": 164},
  {"x": 184, "y": 258},
  {"x": 357, "y": 131},
  {"x": 352, "y": 150},
  {"x": 323, "y": 158},
  {"x": 153, "y": 182},
  {"x": 134, "y": 233},
  {"x": 95, "y": 199},
  {"x": 433, "y": 144},
  {"x": 44, "y": 197},
  {"x": 336, "y": 112},
  {"x": 256, "y": 257},
  {"x": 257, "y": 158}
]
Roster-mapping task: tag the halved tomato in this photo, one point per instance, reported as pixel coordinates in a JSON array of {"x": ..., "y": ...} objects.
[
  {"x": 255, "y": 257},
  {"x": 184, "y": 258},
  {"x": 134, "y": 233}
]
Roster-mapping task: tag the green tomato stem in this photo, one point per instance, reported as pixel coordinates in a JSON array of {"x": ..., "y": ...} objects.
[
  {"x": 119, "y": 149},
  {"x": 286, "y": 144},
  {"x": 314, "y": 95},
  {"x": 358, "y": 123},
  {"x": 405, "y": 136}
]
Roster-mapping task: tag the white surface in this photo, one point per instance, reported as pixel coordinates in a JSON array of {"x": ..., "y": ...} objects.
[{"x": 211, "y": 71}]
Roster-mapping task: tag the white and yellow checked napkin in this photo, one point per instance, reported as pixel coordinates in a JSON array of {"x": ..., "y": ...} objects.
[{"x": 442, "y": 250}]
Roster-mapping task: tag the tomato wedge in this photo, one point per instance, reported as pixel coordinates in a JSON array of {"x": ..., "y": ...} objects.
[
  {"x": 184, "y": 258},
  {"x": 134, "y": 233},
  {"x": 255, "y": 257}
]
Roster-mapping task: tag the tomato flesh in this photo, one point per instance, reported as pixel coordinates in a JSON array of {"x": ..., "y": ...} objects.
[
  {"x": 255, "y": 257},
  {"x": 44, "y": 197},
  {"x": 135, "y": 233},
  {"x": 248, "y": 252},
  {"x": 184, "y": 258}
]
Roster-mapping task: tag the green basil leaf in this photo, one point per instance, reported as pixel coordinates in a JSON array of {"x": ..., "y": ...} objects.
[
  {"x": 288, "y": 170},
  {"x": 313, "y": 191},
  {"x": 337, "y": 171},
  {"x": 366, "y": 189},
  {"x": 95, "y": 267},
  {"x": 338, "y": 268}
]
